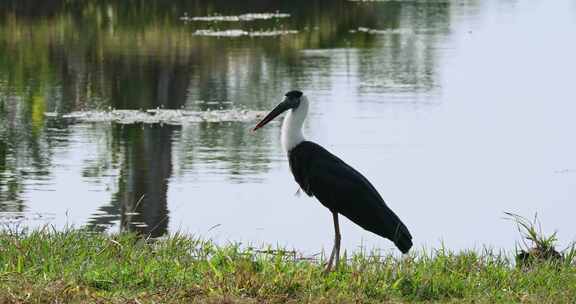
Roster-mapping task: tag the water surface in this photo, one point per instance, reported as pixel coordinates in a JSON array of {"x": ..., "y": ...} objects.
[{"x": 456, "y": 110}]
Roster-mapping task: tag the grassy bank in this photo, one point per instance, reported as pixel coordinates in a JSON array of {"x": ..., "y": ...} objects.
[{"x": 80, "y": 266}]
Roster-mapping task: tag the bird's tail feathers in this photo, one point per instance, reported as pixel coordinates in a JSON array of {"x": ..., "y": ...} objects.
[{"x": 402, "y": 238}]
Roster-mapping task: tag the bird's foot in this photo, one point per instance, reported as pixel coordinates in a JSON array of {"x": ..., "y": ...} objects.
[
  {"x": 330, "y": 262},
  {"x": 328, "y": 268}
]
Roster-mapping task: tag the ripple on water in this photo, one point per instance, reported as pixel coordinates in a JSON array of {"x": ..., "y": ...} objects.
[
  {"x": 22, "y": 216},
  {"x": 173, "y": 117}
]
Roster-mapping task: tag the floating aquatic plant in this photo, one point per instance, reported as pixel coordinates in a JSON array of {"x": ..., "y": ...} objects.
[
  {"x": 382, "y": 32},
  {"x": 243, "y": 17},
  {"x": 167, "y": 116},
  {"x": 241, "y": 33}
]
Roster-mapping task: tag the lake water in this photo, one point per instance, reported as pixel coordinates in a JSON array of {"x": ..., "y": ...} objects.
[{"x": 457, "y": 111}]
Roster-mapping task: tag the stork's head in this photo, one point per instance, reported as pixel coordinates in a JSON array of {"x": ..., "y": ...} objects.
[{"x": 292, "y": 101}]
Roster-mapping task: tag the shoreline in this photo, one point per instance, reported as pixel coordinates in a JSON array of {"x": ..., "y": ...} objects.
[{"x": 83, "y": 266}]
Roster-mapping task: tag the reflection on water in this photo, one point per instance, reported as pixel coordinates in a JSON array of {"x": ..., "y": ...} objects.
[
  {"x": 140, "y": 201},
  {"x": 378, "y": 74},
  {"x": 106, "y": 55}
]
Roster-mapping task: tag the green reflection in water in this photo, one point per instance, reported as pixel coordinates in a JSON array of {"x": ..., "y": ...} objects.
[
  {"x": 77, "y": 55},
  {"x": 140, "y": 201}
]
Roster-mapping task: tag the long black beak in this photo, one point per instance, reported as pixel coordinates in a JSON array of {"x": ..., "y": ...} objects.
[{"x": 279, "y": 109}]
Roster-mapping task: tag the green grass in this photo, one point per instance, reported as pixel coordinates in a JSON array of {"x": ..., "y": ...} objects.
[{"x": 80, "y": 266}]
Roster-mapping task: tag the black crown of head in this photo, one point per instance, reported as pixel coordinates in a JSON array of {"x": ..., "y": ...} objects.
[{"x": 294, "y": 94}]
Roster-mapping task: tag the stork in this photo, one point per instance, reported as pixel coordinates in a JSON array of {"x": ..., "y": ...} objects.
[{"x": 338, "y": 186}]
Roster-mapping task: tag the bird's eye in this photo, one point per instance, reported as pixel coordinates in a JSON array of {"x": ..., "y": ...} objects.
[{"x": 296, "y": 102}]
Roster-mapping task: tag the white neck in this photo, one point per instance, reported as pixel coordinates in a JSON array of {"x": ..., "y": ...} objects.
[{"x": 292, "y": 125}]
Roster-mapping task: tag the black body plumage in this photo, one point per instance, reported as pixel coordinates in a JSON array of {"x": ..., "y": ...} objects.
[{"x": 344, "y": 190}]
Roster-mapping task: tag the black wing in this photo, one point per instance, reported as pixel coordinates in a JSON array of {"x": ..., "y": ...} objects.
[{"x": 342, "y": 189}]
